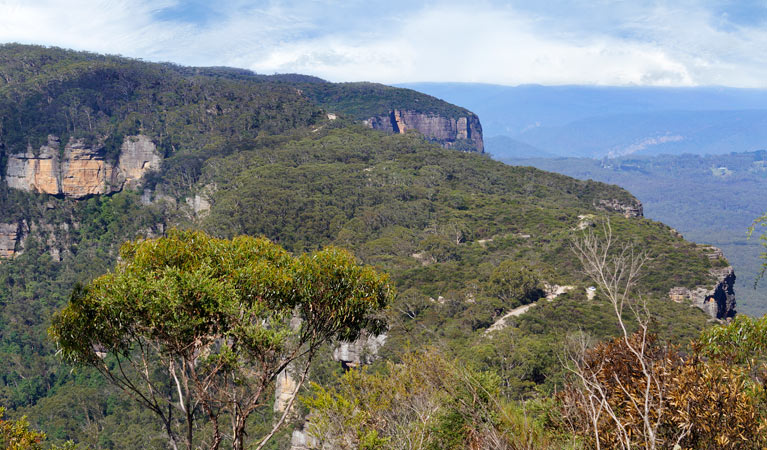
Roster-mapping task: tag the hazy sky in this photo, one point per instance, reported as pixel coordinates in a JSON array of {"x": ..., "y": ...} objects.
[{"x": 634, "y": 42}]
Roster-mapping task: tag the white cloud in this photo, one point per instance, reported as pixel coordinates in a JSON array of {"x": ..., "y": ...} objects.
[
  {"x": 588, "y": 43},
  {"x": 483, "y": 46},
  {"x": 115, "y": 27}
]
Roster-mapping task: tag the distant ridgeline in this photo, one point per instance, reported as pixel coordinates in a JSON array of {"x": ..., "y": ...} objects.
[
  {"x": 94, "y": 102},
  {"x": 308, "y": 164}
]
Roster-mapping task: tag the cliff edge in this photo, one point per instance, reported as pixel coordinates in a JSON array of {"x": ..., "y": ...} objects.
[
  {"x": 81, "y": 169},
  {"x": 717, "y": 299},
  {"x": 462, "y": 133}
]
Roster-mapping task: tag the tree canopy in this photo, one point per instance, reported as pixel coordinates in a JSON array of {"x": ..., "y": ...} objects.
[{"x": 193, "y": 326}]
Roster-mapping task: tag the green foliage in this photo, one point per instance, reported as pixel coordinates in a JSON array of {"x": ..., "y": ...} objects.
[
  {"x": 17, "y": 435},
  {"x": 742, "y": 341},
  {"x": 218, "y": 315},
  {"x": 515, "y": 283},
  {"x": 364, "y": 100},
  {"x": 680, "y": 191},
  {"x": 425, "y": 402},
  {"x": 260, "y": 150},
  {"x": 441, "y": 222},
  {"x": 761, "y": 223}
]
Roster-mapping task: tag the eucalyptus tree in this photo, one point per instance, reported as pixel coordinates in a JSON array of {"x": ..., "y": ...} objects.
[{"x": 197, "y": 328}]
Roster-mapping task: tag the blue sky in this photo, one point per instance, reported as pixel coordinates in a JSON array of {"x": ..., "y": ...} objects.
[{"x": 679, "y": 43}]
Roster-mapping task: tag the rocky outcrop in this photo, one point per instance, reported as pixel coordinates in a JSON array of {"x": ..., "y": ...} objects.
[
  {"x": 362, "y": 351},
  {"x": 463, "y": 133},
  {"x": 80, "y": 169},
  {"x": 9, "y": 239},
  {"x": 13, "y": 237},
  {"x": 350, "y": 354},
  {"x": 35, "y": 172},
  {"x": 711, "y": 252},
  {"x": 301, "y": 440},
  {"x": 285, "y": 384},
  {"x": 284, "y": 388},
  {"x": 632, "y": 208},
  {"x": 84, "y": 171},
  {"x": 138, "y": 155},
  {"x": 718, "y": 301}
]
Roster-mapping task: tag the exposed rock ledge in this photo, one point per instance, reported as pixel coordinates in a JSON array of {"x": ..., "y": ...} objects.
[
  {"x": 717, "y": 301},
  {"x": 360, "y": 352},
  {"x": 463, "y": 133},
  {"x": 81, "y": 170},
  {"x": 13, "y": 237},
  {"x": 350, "y": 354},
  {"x": 628, "y": 209},
  {"x": 10, "y": 239}
]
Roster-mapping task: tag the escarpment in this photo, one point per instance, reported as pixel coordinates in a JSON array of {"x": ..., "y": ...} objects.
[
  {"x": 717, "y": 299},
  {"x": 81, "y": 169},
  {"x": 54, "y": 237},
  {"x": 462, "y": 133}
]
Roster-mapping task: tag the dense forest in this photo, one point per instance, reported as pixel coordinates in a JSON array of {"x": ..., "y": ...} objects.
[{"x": 466, "y": 240}]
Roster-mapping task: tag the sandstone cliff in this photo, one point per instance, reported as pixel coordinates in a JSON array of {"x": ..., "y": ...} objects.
[
  {"x": 80, "y": 169},
  {"x": 13, "y": 237},
  {"x": 463, "y": 133},
  {"x": 10, "y": 239},
  {"x": 718, "y": 300},
  {"x": 284, "y": 387}
]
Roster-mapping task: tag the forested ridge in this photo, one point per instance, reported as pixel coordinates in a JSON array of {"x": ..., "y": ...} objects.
[
  {"x": 465, "y": 240},
  {"x": 710, "y": 199}
]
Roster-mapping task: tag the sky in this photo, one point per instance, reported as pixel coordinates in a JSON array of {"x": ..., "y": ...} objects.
[{"x": 596, "y": 42}]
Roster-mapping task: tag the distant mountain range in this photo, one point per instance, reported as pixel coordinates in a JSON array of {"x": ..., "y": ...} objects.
[{"x": 591, "y": 121}]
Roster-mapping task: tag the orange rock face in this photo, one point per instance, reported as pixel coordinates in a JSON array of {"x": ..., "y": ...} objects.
[
  {"x": 450, "y": 132},
  {"x": 81, "y": 171},
  {"x": 44, "y": 173},
  {"x": 84, "y": 172},
  {"x": 35, "y": 172}
]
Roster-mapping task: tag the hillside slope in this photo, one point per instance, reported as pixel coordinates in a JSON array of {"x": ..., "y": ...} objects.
[
  {"x": 291, "y": 157},
  {"x": 710, "y": 199}
]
